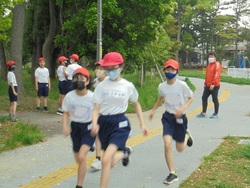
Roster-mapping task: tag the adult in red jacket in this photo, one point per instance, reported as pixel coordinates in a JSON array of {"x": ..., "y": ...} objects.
[{"x": 211, "y": 86}]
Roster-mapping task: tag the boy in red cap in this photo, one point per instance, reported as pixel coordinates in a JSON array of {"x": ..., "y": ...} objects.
[
  {"x": 70, "y": 69},
  {"x": 78, "y": 103},
  {"x": 62, "y": 84},
  {"x": 42, "y": 82},
  {"x": 13, "y": 89},
  {"x": 111, "y": 99},
  {"x": 177, "y": 96}
]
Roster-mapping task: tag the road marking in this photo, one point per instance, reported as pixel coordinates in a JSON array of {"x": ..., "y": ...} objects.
[{"x": 66, "y": 172}]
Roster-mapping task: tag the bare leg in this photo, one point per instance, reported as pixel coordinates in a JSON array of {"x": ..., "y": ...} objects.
[
  {"x": 44, "y": 101},
  {"x": 168, "y": 152},
  {"x": 38, "y": 101},
  {"x": 110, "y": 159},
  {"x": 82, "y": 164}
]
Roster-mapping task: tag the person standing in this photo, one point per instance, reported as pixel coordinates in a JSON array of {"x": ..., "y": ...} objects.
[
  {"x": 100, "y": 76},
  {"x": 211, "y": 86},
  {"x": 177, "y": 97},
  {"x": 78, "y": 103},
  {"x": 70, "y": 69},
  {"x": 42, "y": 83},
  {"x": 62, "y": 83},
  {"x": 111, "y": 98},
  {"x": 13, "y": 89}
]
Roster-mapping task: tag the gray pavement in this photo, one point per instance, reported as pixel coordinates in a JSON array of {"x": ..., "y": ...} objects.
[{"x": 148, "y": 168}]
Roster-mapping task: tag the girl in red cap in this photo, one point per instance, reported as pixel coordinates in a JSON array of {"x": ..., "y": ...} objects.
[
  {"x": 78, "y": 103},
  {"x": 176, "y": 96},
  {"x": 111, "y": 99},
  {"x": 13, "y": 89}
]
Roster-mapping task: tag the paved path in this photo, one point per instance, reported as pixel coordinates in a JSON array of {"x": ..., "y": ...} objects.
[{"x": 51, "y": 164}]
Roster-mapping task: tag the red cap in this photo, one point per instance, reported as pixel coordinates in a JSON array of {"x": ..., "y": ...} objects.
[
  {"x": 111, "y": 59},
  {"x": 172, "y": 63},
  {"x": 99, "y": 62},
  {"x": 10, "y": 63},
  {"x": 62, "y": 58},
  {"x": 82, "y": 71},
  {"x": 40, "y": 59},
  {"x": 75, "y": 57}
]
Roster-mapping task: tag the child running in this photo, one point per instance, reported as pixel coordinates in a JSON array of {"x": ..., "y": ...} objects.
[
  {"x": 100, "y": 76},
  {"x": 111, "y": 98},
  {"x": 79, "y": 104},
  {"x": 177, "y": 96},
  {"x": 13, "y": 89}
]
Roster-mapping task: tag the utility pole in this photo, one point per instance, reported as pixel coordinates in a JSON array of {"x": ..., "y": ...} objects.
[{"x": 99, "y": 30}]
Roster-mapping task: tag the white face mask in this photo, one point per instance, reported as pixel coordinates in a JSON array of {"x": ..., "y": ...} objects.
[
  {"x": 99, "y": 72},
  {"x": 211, "y": 59}
]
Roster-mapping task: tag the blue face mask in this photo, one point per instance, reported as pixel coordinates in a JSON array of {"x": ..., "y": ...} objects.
[
  {"x": 170, "y": 75},
  {"x": 113, "y": 74}
]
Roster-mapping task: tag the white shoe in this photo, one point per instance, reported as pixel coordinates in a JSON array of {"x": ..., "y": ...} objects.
[{"x": 96, "y": 165}]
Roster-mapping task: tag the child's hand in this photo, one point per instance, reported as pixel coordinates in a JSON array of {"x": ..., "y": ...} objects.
[
  {"x": 151, "y": 115},
  {"x": 66, "y": 130},
  {"x": 144, "y": 130},
  {"x": 94, "y": 130}
]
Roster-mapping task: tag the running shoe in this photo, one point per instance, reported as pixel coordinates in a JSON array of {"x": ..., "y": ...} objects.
[
  {"x": 96, "y": 165},
  {"x": 201, "y": 115},
  {"x": 190, "y": 139},
  {"x": 127, "y": 153},
  {"x": 214, "y": 116},
  {"x": 59, "y": 112},
  {"x": 45, "y": 109},
  {"x": 172, "y": 177}
]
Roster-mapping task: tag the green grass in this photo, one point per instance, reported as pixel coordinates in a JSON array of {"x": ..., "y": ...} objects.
[
  {"x": 18, "y": 134},
  {"x": 226, "y": 167}
]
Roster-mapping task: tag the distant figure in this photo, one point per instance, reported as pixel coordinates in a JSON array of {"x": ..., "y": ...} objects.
[
  {"x": 13, "y": 89},
  {"x": 62, "y": 83},
  {"x": 177, "y": 97},
  {"x": 70, "y": 69},
  {"x": 42, "y": 82},
  {"x": 211, "y": 86}
]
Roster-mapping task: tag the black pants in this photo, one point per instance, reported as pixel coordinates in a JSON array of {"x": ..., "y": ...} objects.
[{"x": 206, "y": 94}]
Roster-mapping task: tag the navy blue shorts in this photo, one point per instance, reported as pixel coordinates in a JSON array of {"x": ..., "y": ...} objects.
[
  {"x": 80, "y": 135},
  {"x": 12, "y": 97},
  {"x": 114, "y": 129},
  {"x": 62, "y": 86},
  {"x": 69, "y": 85},
  {"x": 172, "y": 128},
  {"x": 43, "y": 89}
]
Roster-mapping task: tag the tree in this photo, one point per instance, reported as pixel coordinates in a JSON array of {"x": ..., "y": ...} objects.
[{"x": 17, "y": 42}]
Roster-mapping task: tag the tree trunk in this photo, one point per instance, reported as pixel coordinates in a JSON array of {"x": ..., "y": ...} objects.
[
  {"x": 17, "y": 43},
  {"x": 3, "y": 62},
  {"x": 48, "y": 46}
]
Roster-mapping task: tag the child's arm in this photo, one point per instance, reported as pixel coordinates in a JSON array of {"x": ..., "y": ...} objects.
[
  {"x": 49, "y": 83},
  {"x": 65, "y": 129},
  {"x": 157, "y": 104},
  {"x": 138, "y": 111},
  {"x": 181, "y": 110},
  {"x": 95, "y": 115},
  {"x": 36, "y": 83},
  {"x": 13, "y": 89}
]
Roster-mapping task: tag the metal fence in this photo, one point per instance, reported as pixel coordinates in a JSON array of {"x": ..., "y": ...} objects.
[{"x": 239, "y": 72}]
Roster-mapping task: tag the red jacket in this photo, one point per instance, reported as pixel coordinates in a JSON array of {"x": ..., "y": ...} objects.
[{"x": 213, "y": 74}]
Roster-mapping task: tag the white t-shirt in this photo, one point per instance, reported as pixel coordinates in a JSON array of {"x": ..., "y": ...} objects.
[
  {"x": 114, "y": 96},
  {"x": 11, "y": 77},
  {"x": 42, "y": 74},
  {"x": 60, "y": 73},
  {"x": 79, "y": 107},
  {"x": 70, "y": 69},
  {"x": 96, "y": 81},
  {"x": 175, "y": 95}
]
